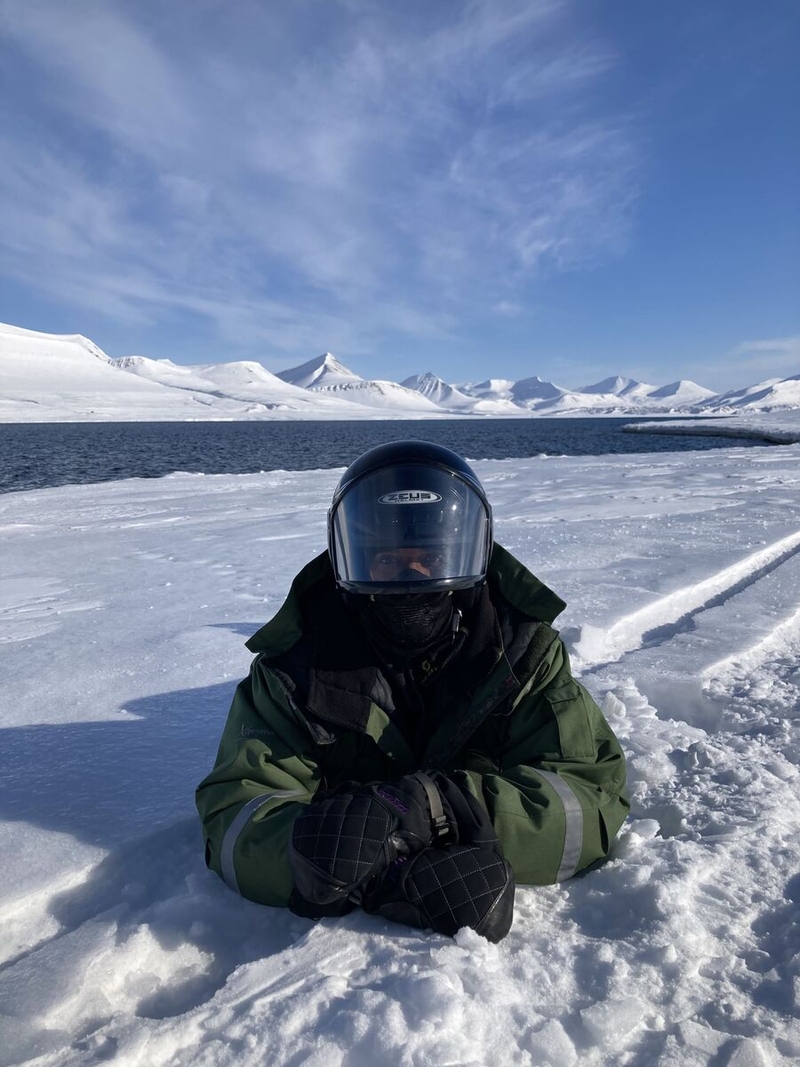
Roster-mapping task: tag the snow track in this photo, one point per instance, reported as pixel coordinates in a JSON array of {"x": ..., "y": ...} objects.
[
  {"x": 674, "y": 613},
  {"x": 780, "y": 646}
]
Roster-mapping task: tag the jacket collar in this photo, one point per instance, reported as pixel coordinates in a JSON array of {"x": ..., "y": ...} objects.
[{"x": 319, "y": 643}]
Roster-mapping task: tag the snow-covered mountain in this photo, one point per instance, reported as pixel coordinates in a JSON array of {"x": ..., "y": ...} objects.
[
  {"x": 775, "y": 394},
  {"x": 50, "y": 377},
  {"x": 325, "y": 370},
  {"x": 64, "y": 378},
  {"x": 531, "y": 391},
  {"x": 438, "y": 391},
  {"x": 246, "y": 381},
  {"x": 618, "y": 386},
  {"x": 491, "y": 389},
  {"x": 381, "y": 394},
  {"x": 546, "y": 398},
  {"x": 451, "y": 398},
  {"x": 679, "y": 394},
  {"x": 57, "y": 378},
  {"x": 326, "y": 376}
]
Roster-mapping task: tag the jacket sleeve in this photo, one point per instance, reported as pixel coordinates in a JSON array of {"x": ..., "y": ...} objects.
[
  {"x": 263, "y": 774},
  {"x": 556, "y": 794}
]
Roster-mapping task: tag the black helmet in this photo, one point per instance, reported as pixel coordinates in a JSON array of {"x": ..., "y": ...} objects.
[{"x": 409, "y": 517}]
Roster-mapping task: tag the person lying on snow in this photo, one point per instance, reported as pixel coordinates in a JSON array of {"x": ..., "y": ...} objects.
[{"x": 410, "y": 739}]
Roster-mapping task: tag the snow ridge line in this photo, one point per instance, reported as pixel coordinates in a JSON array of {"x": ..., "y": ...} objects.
[
  {"x": 664, "y": 618},
  {"x": 778, "y": 641}
]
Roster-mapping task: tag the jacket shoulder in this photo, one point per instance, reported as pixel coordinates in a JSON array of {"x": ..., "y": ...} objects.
[{"x": 511, "y": 581}]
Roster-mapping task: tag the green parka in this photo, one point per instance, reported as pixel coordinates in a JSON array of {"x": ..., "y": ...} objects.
[{"x": 317, "y": 710}]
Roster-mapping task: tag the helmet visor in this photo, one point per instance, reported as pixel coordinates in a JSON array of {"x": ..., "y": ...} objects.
[{"x": 410, "y": 527}]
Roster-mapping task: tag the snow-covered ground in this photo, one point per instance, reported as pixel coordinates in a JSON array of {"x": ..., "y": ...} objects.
[{"x": 123, "y": 611}]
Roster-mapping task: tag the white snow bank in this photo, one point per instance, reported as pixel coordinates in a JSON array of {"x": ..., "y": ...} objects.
[
  {"x": 777, "y": 427},
  {"x": 123, "y": 608}
]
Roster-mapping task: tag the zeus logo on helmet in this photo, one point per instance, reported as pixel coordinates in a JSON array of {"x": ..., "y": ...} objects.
[{"x": 410, "y": 496}]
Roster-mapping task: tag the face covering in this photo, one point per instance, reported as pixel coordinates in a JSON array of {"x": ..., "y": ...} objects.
[{"x": 406, "y": 625}]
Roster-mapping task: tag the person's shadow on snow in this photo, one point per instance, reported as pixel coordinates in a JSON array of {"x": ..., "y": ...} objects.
[
  {"x": 105, "y": 783},
  {"x": 127, "y": 786}
]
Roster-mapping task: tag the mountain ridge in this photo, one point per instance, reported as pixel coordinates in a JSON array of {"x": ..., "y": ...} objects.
[{"x": 65, "y": 377}]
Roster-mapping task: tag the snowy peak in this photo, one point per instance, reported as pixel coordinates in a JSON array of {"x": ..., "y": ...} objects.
[
  {"x": 774, "y": 394},
  {"x": 490, "y": 389},
  {"x": 438, "y": 391},
  {"x": 618, "y": 386},
  {"x": 326, "y": 376},
  {"x": 682, "y": 392},
  {"x": 325, "y": 370},
  {"x": 535, "y": 389}
]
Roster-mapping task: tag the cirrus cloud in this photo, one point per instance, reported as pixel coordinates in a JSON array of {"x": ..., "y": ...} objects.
[{"x": 347, "y": 163}]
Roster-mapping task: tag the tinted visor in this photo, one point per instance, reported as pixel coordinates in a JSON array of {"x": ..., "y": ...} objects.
[{"x": 410, "y": 527}]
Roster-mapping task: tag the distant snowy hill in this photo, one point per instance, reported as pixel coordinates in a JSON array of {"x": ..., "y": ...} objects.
[
  {"x": 534, "y": 389},
  {"x": 491, "y": 389},
  {"x": 52, "y": 378},
  {"x": 451, "y": 398},
  {"x": 381, "y": 394},
  {"x": 681, "y": 393},
  {"x": 546, "y": 398},
  {"x": 617, "y": 386},
  {"x": 325, "y": 375},
  {"x": 246, "y": 381},
  {"x": 775, "y": 394},
  {"x": 325, "y": 370},
  {"x": 438, "y": 391},
  {"x": 55, "y": 378}
]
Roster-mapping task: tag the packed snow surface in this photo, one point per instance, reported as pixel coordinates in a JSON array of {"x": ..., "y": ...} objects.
[{"x": 123, "y": 609}]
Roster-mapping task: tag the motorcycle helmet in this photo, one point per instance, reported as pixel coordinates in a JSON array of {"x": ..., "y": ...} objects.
[{"x": 409, "y": 517}]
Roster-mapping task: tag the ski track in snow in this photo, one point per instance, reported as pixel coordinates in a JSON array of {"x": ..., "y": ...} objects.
[
  {"x": 682, "y": 951},
  {"x": 664, "y": 618}
]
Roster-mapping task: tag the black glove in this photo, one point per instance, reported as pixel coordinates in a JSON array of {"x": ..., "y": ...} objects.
[
  {"x": 445, "y": 889},
  {"x": 462, "y": 881},
  {"x": 343, "y": 839},
  {"x": 468, "y": 822}
]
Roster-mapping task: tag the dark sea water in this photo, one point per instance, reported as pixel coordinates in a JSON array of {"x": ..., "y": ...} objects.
[{"x": 34, "y": 456}]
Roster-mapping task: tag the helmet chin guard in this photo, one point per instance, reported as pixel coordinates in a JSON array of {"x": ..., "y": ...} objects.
[{"x": 409, "y": 517}]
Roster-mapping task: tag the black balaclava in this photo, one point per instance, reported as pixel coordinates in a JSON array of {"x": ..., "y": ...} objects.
[{"x": 404, "y": 626}]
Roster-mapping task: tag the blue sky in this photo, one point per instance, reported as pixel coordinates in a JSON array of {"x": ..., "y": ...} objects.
[{"x": 492, "y": 188}]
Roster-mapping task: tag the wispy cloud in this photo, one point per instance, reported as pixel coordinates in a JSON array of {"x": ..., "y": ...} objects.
[
  {"x": 774, "y": 354},
  {"x": 295, "y": 170}
]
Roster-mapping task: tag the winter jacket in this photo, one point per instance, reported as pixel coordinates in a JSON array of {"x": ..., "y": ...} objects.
[{"x": 318, "y": 709}]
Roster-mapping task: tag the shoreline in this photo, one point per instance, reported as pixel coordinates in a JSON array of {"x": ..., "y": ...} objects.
[{"x": 773, "y": 430}]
